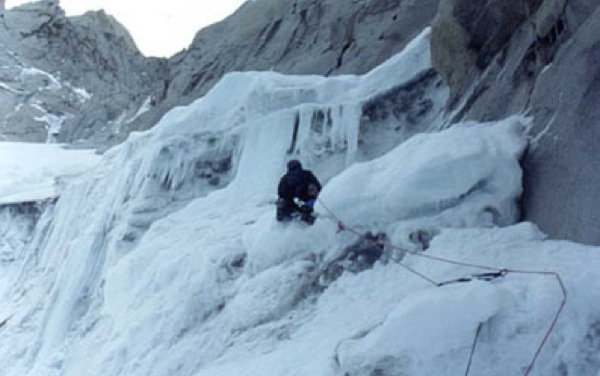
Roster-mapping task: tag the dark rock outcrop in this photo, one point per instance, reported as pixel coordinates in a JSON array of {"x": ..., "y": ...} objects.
[
  {"x": 541, "y": 58},
  {"x": 468, "y": 34},
  {"x": 562, "y": 166},
  {"x": 357, "y": 257}
]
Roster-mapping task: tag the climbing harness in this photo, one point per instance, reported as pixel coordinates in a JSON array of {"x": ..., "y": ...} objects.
[{"x": 492, "y": 273}]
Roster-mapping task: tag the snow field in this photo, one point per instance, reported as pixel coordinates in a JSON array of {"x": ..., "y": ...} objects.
[{"x": 31, "y": 172}]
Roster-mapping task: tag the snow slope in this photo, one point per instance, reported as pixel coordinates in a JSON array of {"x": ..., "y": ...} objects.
[{"x": 166, "y": 259}]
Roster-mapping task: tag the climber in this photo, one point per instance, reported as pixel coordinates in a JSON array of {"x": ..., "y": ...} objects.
[{"x": 300, "y": 184}]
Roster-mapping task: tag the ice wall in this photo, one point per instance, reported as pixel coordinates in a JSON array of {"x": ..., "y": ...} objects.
[{"x": 246, "y": 128}]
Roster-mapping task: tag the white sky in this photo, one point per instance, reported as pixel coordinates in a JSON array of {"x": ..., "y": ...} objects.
[{"x": 160, "y": 28}]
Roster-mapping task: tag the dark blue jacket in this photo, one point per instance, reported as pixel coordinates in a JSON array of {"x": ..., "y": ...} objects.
[{"x": 298, "y": 183}]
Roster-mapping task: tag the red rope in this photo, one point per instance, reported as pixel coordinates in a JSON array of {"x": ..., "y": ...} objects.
[
  {"x": 542, "y": 344},
  {"x": 477, "y": 332}
]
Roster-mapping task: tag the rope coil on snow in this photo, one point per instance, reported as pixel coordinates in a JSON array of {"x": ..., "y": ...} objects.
[{"x": 500, "y": 272}]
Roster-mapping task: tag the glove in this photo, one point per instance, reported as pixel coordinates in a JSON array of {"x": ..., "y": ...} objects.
[
  {"x": 310, "y": 203},
  {"x": 305, "y": 209}
]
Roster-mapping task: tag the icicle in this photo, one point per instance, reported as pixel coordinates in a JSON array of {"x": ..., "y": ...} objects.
[
  {"x": 337, "y": 130},
  {"x": 304, "y": 130},
  {"x": 350, "y": 118}
]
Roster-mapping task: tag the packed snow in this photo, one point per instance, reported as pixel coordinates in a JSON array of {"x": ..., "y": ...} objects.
[{"x": 166, "y": 259}]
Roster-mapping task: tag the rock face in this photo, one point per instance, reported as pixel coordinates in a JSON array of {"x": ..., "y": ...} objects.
[
  {"x": 318, "y": 37},
  {"x": 542, "y": 57},
  {"x": 470, "y": 33}
]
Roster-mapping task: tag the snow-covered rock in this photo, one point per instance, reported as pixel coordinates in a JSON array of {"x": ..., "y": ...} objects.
[{"x": 69, "y": 78}]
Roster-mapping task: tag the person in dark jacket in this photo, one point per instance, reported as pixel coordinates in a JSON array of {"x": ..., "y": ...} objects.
[{"x": 300, "y": 184}]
